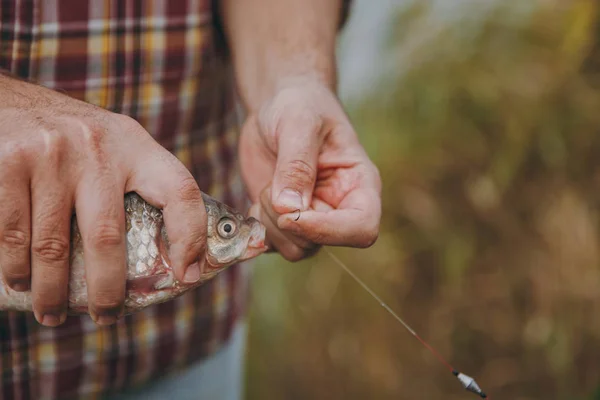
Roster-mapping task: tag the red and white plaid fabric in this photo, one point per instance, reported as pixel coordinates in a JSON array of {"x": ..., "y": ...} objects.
[{"x": 164, "y": 63}]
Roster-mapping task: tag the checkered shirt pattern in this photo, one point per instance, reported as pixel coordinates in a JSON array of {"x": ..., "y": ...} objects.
[{"x": 164, "y": 63}]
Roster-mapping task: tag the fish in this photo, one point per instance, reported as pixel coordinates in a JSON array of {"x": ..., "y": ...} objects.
[{"x": 231, "y": 238}]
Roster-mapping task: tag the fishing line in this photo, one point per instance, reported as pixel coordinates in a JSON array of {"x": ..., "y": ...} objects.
[{"x": 467, "y": 382}]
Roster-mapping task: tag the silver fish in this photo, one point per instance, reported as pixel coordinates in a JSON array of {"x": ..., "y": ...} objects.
[{"x": 231, "y": 238}]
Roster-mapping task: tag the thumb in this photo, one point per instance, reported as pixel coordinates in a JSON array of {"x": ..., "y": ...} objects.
[
  {"x": 163, "y": 181},
  {"x": 296, "y": 167}
]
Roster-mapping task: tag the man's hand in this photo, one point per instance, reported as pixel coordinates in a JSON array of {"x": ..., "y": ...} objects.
[
  {"x": 298, "y": 147},
  {"x": 57, "y": 153},
  {"x": 320, "y": 188}
]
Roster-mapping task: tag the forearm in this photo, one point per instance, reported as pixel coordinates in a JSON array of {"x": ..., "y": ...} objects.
[
  {"x": 22, "y": 93},
  {"x": 275, "y": 41}
]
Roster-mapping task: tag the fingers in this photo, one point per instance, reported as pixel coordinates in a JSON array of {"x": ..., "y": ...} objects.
[
  {"x": 299, "y": 141},
  {"x": 290, "y": 246},
  {"x": 354, "y": 215},
  {"x": 51, "y": 209},
  {"x": 15, "y": 233},
  {"x": 351, "y": 216},
  {"x": 101, "y": 221},
  {"x": 354, "y": 223},
  {"x": 164, "y": 182}
]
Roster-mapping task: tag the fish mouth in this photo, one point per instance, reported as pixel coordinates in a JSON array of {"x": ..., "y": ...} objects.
[{"x": 256, "y": 243}]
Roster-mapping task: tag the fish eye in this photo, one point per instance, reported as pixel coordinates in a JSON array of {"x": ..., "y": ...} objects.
[{"x": 226, "y": 228}]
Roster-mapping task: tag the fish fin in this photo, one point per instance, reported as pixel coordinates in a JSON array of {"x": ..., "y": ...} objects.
[{"x": 146, "y": 284}]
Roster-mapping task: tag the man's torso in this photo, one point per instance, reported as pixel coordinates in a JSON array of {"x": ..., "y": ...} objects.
[{"x": 163, "y": 63}]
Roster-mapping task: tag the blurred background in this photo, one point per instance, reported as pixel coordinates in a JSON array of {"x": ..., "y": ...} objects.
[{"x": 484, "y": 119}]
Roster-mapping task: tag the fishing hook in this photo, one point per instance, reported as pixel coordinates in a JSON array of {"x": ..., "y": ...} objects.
[{"x": 298, "y": 217}]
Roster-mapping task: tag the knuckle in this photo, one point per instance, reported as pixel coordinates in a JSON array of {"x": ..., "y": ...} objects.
[
  {"x": 51, "y": 249},
  {"x": 318, "y": 237},
  {"x": 94, "y": 138},
  {"x": 299, "y": 171},
  {"x": 108, "y": 301},
  {"x": 190, "y": 249},
  {"x": 127, "y": 121},
  {"x": 188, "y": 190},
  {"x": 95, "y": 135},
  {"x": 106, "y": 235},
  {"x": 15, "y": 238},
  {"x": 14, "y": 151},
  {"x": 196, "y": 247},
  {"x": 130, "y": 124},
  {"x": 53, "y": 145}
]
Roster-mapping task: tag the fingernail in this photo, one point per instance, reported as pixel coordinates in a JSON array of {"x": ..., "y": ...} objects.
[
  {"x": 52, "y": 320},
  {"x": 287, "y": 222},
  {"x": 104, "y": 319},
  {"x": 192, "y": 273},
  {"x": 290, "y": 198}
]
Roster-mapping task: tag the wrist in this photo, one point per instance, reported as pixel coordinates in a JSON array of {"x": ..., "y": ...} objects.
[
  {"x": 291, "y": 40},
  {"x": 274, "y": 73}
]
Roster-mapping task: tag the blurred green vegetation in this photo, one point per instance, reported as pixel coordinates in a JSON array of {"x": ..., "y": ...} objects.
[{"x": 486, "y": 133}]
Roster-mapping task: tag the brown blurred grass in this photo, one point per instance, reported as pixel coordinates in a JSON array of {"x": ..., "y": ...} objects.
[{"x": 487, "y": 141}]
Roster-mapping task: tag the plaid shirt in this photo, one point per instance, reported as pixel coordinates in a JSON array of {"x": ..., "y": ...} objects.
[{"x": 164, "y": 63}]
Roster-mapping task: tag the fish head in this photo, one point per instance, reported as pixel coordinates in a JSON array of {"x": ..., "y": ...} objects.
[{"x": 231, "y": 237}]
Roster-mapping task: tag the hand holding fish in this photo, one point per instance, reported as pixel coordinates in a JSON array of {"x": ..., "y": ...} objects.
[
  {"x": 310, "y": 179},
  {"x": 57, "y": 154}
]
